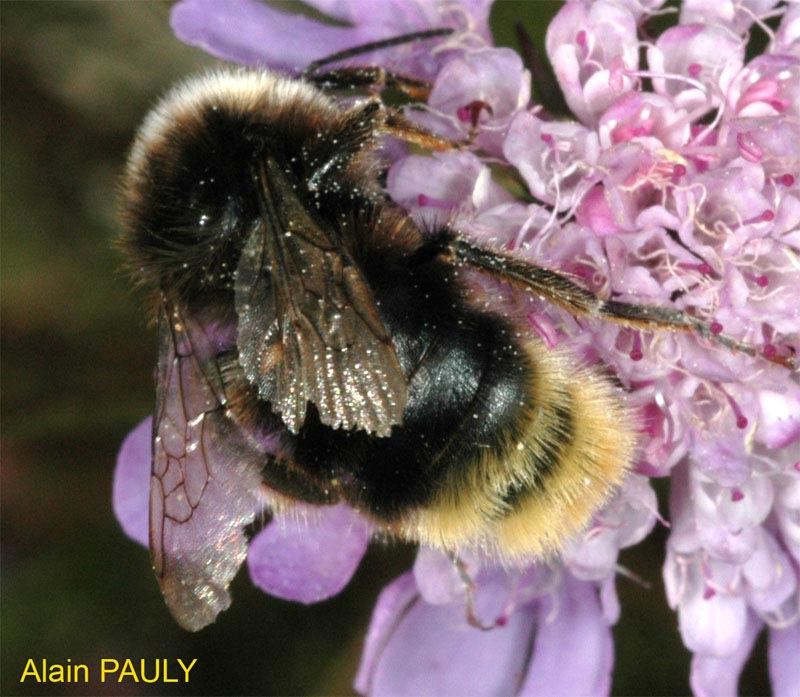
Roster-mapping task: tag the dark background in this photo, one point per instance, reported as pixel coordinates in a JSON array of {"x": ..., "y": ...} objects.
[{"x": 77, "y": 362}]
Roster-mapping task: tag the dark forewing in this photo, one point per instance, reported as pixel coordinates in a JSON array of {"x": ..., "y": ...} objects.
[
  {"x": 309, "y": 329},
  {"x": 205, "y": 476}
]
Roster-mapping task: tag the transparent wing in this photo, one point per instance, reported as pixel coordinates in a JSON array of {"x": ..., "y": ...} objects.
[
  {"x": 309, "y": 329},
  {"x": 205, "y": 476}
]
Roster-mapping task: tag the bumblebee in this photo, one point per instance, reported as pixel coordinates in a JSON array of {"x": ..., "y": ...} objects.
[{"x": 316, "y": 345}]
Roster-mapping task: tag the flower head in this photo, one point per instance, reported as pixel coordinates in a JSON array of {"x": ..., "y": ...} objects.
[{"x": 676, "y": 183}]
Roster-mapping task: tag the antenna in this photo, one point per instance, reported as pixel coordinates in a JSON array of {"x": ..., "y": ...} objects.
[{"x": 375, "y": 46}]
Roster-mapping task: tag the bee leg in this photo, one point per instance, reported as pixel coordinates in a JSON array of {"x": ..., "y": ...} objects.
[
  {"x": 282, "y": 476},
  {"x": 397, "y": 125},
  {"x": 375, "y": 80},
  {"x": 469, "y": 586},
  {"x": 356, "y": 132},
  {"x": 562, "y": 291}
]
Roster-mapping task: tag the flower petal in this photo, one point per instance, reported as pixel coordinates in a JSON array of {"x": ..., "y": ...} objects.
[
  {"x": 588, "y": 44},
  {"x": 392, "y": 604},
  {"x": 719, "y": 677},
  {"x": 437, "y": 577},
  {"x": 433, "y": 188},
  {"x": 770, "y": 577},
  {"x": 131, "y": 488},
  {"x": 432, "y": 650},
  {"x": 712, "y": 624},
  {"x": 779, "y": 425},
  {"x": 254, "y": 33},
  {"x": 609, "y": 600},
  {"x": 574, "y": 652},
  {"x": 308, "y": 558},
  {"x": 784, "y": 661},
  {"x": 681, "y": 50}
]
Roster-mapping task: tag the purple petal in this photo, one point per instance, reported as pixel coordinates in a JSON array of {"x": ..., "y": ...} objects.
[
  {"x": 445, "y": 180},
  {"x": 437, "y": 577},
  {"x": 131, "y": 488},
  {"x": 732, "y": 15},
  {"x": 495, "y": 76},
  {"x": 609, "y": 600},
  {"x": 788, "y": 510},
  {"x": 253, "y": 33},
  {"x": 574, "y": 652},
  {"x": 747, "y": 180},
  {"x": 593, "y": 555},
  {"x": 637, "y": 116},
  {"x": 682, "y": 49},
  {"x": 712, "y": 625},
  {"x": 747, "y": 509},
  {"x": 624, "y": 521},
  {"x": 726, "y": 462},
  {"x": 343, "y": 10},
  {"x": 395, "y": 17},
  {"x": 780, "y": 417},
  {"x": 784, "y": 661},
  {"x": 719, "y": 677},
  {"x": 789, "y": 30},
  {"x": 392, "y": 604},
  {"x": 609, "y": 31},
  {"x": 528, "y": 146},
  {"x": 770, "y": 577},
  {"x": 595, "y": 213},
  {"x": 310, "y": 554},
  {"x": 432, "y": 650}
]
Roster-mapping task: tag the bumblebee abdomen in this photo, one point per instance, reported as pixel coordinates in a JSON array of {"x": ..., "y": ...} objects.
[
  {"x": 592, "y": 463},
  {"x": 558, "y": 460},
  {"x": 466, "y": 383},
  {"x": 505, "y": 445}
]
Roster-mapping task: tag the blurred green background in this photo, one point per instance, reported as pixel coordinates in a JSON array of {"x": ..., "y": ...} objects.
[{"x": 77, "y": 363}]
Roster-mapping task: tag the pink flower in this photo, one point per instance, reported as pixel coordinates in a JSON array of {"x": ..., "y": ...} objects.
[{"x": 549, "y": 635}]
